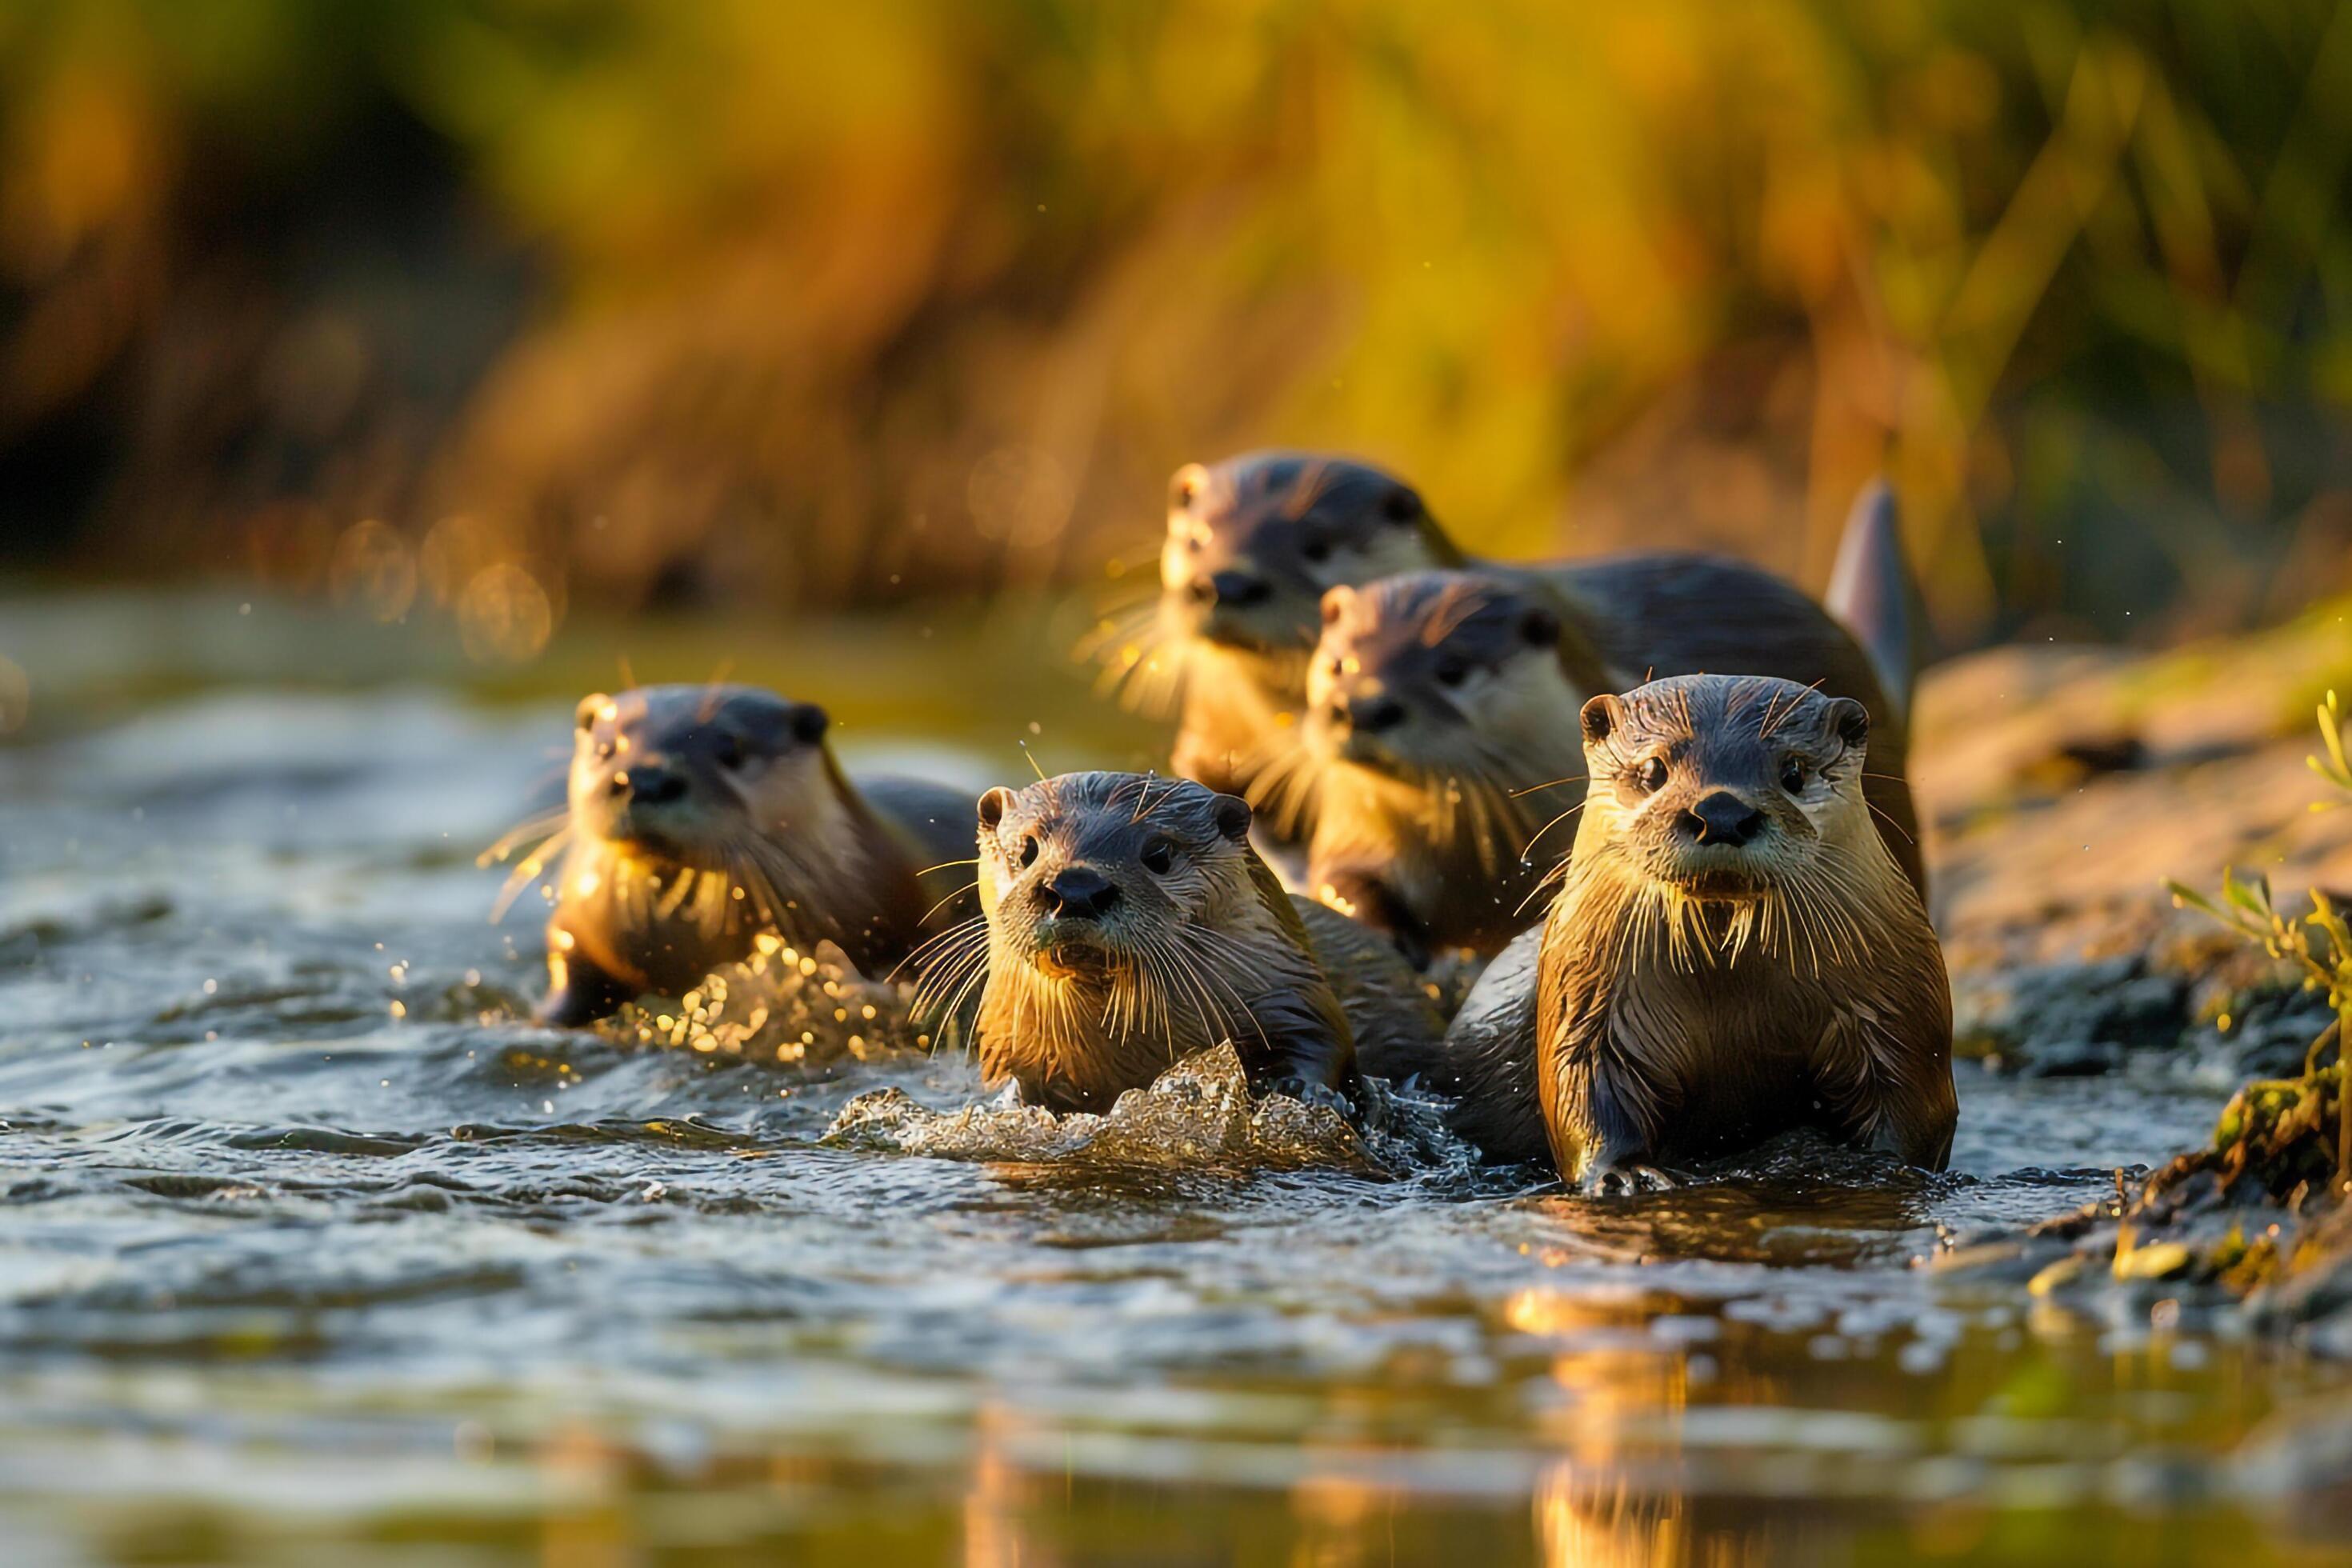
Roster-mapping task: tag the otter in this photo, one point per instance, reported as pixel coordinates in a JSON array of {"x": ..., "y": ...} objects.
[
  {"x": 1127, "y": 922},
  {"x": 1254, "y": 542},
  {"x": 1440, "y": 708},
  {"x": 1733, "y": 951},
  {"x": 701, "y": 816},
  {"x": 1441, "y": 721}
]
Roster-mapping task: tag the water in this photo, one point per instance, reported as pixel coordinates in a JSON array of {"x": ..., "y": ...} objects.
[{"x": 314, "y": 1252}]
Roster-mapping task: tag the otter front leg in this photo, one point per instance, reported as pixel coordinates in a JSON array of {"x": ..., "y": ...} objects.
[
  {"x": 1599, "y": 1138},
  {"x": 578, "y": 993},
  {"x": 1316, "y": 1071},
  {"x": 1892, "y": 1091}
]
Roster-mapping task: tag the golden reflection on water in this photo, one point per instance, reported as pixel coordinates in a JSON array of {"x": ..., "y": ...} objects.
[{"x": 587, "y": 1519}]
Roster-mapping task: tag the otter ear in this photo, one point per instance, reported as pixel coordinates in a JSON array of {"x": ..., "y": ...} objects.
[
  {"x": 993, "y": 806},
  {"x": 1336, "y": 602},
  {"x": 1851, "y": 721},
  {"x": 1402, "y": 504},
  {"x": 1185, "y": 487},
  {"x": 1232, "y": 814},
  {"x": 809, "y": 724},
  {"x": 585, "y": 716},
  {"x": 1600, "y": 717},
  {"x": 1540, "y": 628}
]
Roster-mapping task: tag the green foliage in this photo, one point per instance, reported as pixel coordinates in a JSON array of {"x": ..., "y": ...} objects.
[
  {"x": 2318, "y": 944},
  {"x": 916, "y": 285}
]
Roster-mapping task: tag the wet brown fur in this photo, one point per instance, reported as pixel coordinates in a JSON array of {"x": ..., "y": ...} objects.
[
  {"x": 1674, "y": 1007},
  {"x": 1241, "y": 678},
  {"x": 789, "y": 847},
  {"x": 1211, "y": 949}
]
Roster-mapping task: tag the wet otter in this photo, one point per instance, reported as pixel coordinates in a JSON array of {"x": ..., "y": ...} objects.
[
  {"x": 1127, "y": 923},
  {"x": 1254, "y": 542},
  {"x": 702, "y": 815},
  {"x": 1733, "y": 951},
  {"x": 1442, "y": 718},
  {"x": 1440, "y": 704}
]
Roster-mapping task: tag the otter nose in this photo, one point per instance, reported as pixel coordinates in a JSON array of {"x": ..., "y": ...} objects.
[
  {"x": 1237, "y": 589},
  {"x": 1081, "y": 892},
  {"x": 649, "y": 783},
  {"x": 1369, "y": 715},
  {"x": 1723, "y": 818}
]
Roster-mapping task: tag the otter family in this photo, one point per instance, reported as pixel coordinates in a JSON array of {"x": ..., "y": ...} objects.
[{"x": 1660, "y": 796}]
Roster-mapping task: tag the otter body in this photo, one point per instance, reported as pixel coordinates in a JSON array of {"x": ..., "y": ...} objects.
[
  {"x": 1253, "y": 545},
  {"x": 1440, "y": 746},
  {"x": 1733, "y": 951},
  {"x": 1127, "y": 923},
  {"x": 701, "y": 816}
]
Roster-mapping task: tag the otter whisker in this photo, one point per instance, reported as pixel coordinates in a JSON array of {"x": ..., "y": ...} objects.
[
  {"x": 1216, "y": 976},
  {"x": 1882, "y": 815},
  {"x": 927, "y": 953},
  {"x": 1794, "y": 703},
  {"x": 951, "y": 898},
  {"x": 1551, "y": 783},
  {"x": 545, "y": 823},
  {"x": 1529, "y": 848},
  {"x": 533, "y": 866}
]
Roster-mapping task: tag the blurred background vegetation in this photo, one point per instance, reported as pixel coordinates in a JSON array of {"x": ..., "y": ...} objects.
[{"x": 501, "y": 308}]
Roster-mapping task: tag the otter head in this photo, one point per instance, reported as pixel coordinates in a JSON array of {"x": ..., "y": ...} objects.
[
  {"x": 1446, "y": 674},
  {"x": 1723, "y": 788},
  {"x": 1253, "y": 543},
  {"x": 1090, "y": 875},
  {"x": 686, "y": 773}
]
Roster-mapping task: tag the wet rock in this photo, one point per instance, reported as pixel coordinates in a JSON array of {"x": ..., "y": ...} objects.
[
  {"x": 2270, "y": 1035},
  {"x": 2254, "y": 1226},
  {"x": 2070, "y": 1019}
]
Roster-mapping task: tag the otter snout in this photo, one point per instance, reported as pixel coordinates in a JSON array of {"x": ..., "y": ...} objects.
[
  {"x": 1359, "y": 713},
  {"x": 1080, "y": 892},
  {"x": 1229, "y": 590},
  {"x": 648, "y": 784},
  {"x": 1721, "y": 817}
]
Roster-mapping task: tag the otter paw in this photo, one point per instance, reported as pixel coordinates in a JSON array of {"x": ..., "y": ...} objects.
[
  {"x": 1625, "y": 1181},
  {"x": 1294, "y": 1087}
]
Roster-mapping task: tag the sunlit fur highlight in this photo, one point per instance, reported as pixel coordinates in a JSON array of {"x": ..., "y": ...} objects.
[
  {"x": 651, "y": 897},
  {"x": 1235, "y": 674}
]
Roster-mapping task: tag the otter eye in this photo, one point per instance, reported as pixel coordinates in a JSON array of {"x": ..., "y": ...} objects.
[
  {"x": 1160, "y": 857},
  {"x": 1651, "y": 775},
  {"x": 1452, "y": 672},
  {"x": 1029, "y": 850},
  {"x": 1793, "y": 774},
  {"x": 1316, "y": 548},
  {"x": 728, "y": 751}
]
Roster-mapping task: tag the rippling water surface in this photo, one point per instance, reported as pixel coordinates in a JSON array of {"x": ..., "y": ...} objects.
[{"x": 315, "y": 1250}]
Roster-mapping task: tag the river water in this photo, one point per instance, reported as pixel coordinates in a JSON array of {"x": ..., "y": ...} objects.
[{"x": 314, "y": 1251}]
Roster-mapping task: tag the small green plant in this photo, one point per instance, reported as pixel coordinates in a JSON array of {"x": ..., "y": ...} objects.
[{"x": 2319, "y": 944}]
